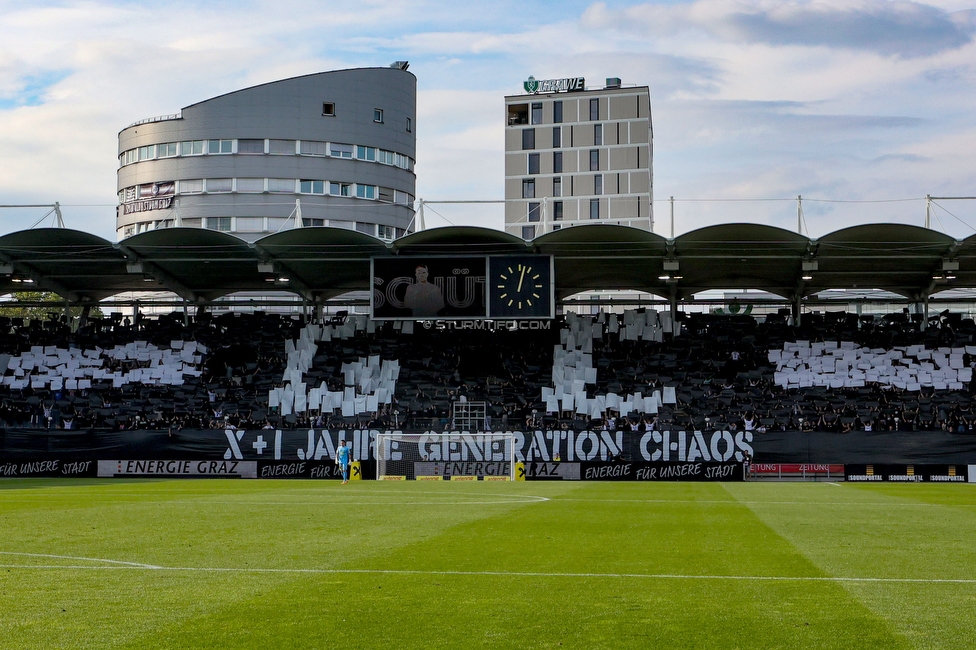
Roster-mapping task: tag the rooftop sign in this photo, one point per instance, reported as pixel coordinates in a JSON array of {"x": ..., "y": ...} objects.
[{"x": 571, "y": 84}]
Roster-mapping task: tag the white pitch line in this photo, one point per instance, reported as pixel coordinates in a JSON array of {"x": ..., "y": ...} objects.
[
  {"x": 125, "y": 565},
  {"x": 495, "y": 574},
  {"x": 768, "y": 503},
  {"x": 327, "y": 503},
  {"x": 834, "y": 484}
]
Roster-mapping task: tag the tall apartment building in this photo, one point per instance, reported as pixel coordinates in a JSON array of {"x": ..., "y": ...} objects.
[
  {"x": 575, "y": 156},
  {"x": 327, "y": 149}
]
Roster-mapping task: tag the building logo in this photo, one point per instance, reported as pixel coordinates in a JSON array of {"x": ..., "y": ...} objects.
[
  {"x": 158, "y": 196},
  {"x": 569, "y": 84}
]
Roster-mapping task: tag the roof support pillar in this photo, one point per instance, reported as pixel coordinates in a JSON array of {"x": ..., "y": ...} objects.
[
  {"x": 157, "y": 272},
  {"x": 85, "y": 313},
  {"x": 297, "y": 285},
  {"x": 673, "y": 299},
  {"x": 796, "y": 311}
]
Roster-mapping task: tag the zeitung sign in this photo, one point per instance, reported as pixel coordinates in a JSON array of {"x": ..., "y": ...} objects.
[{"x": 569, "y": 84}]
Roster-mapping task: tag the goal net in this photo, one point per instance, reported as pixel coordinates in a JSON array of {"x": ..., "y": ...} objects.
[{"x": 445, "y": 456}]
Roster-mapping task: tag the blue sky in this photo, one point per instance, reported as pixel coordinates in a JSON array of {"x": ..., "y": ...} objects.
[{"x": 850, "y": 103}]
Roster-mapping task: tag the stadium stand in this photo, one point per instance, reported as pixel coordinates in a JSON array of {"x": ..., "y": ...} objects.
[{"x": 637, "y": 370}]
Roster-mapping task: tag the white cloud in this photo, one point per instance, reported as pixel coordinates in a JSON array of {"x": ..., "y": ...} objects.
[
  {"x": 858, "y": 99},
  {"x": 889, "y": 27}
]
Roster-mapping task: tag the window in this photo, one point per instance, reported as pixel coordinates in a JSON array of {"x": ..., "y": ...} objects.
[
  {"x": 250, "y": 146},
  {"x": 537, "y": 113},
  {"x": 594, "y": 208},
  {"x": 557, "y": 137},
  {"x": 402, "y": 198},
  {"x": 598, "y": 184},
  {"x": 518, "y": 114},
  {"x": 253, "y": 185},
  {"x": 312, "y": 223},
  {"x": 340, "y": 189},
  {"x": 535, "y": 211},
  {"x": 557, "y": 211},
  {"x": 312, "y": 187},
  {"x": 220, "y": 146},
  {"x": 557, "y": 162},
  {"x": 192, "y": 148},
  {"x": 281, "y": 147},
  {"x": 312, "y": 148},
  {"x": 597, "y": 134},
  {"x": 594, "y": 109},
  {"x": 528, "y": 188},
  {"x": 192, "y": 186},
  {"x": 528, "y": 138},
  {"x": 339, "y": 150},
  {"x": 385, "y": 232},
  {"x": 219, "y": 223},
  {"x": 215, "y": 185},
  {"x": 378, "y": 115},
  {"x": 147, "y": 153},
  {"x": 557, "y": 112},
  {"x": 386, "y": 194},
  {"x": 250, "y": 224},
  {"x": 409, "y": 129},
  {"x": 167, "y": 150},
  {"x": 368, "y": 228},
  {"x": 533, "y": 163},
  {"x": 283, "y": 185},
  {"x": 328, "y": 109},
  {"x": 365, "y": 153},
  {"x": 365, "y": 191},
  {"x": 528, "y": 232},
  {"x": 594, "y": 160},
  {"x": 557, "y": 186}
]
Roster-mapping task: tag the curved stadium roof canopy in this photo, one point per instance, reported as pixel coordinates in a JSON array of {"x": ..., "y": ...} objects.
[{"x": 321, "y": 263}]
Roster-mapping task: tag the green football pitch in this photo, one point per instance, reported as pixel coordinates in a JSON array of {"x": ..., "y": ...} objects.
[{"x": 300, "y": 564}]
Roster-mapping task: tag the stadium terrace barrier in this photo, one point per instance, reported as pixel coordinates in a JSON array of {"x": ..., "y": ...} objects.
[
  {"x": 311, "y": 453},
  {"x": 631, "y": 471}
]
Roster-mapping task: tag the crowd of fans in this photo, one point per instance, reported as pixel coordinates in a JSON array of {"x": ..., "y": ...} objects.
[{"x": 718, "y": 367}]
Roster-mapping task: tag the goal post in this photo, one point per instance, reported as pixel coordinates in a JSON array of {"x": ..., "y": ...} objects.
[{"x": 445, "y": 456}]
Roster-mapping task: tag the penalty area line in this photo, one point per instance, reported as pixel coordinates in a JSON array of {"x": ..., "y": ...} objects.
[{"x": 494, "y": 574}]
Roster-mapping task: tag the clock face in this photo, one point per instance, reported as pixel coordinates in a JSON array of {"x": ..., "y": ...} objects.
[{"x": 521, "y": 287}]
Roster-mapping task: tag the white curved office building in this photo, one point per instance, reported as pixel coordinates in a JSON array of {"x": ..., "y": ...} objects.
[{"x": 327, "y": 149}]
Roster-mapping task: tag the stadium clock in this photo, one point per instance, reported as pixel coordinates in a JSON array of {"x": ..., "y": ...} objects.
[{"x": 520, "y": 286}]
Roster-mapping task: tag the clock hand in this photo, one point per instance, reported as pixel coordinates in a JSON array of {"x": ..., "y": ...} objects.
[{"x": 521, "y": 277}]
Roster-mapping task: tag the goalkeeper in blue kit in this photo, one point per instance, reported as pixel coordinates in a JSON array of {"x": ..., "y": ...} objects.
[{"x": 342, "y": 460}]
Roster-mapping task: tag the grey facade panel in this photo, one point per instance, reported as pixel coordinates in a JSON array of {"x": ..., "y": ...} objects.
[
  {"x": 292, "y": 109},
  {"x": 624, "y": 119},
  {"x": 289, "y": 109}
]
